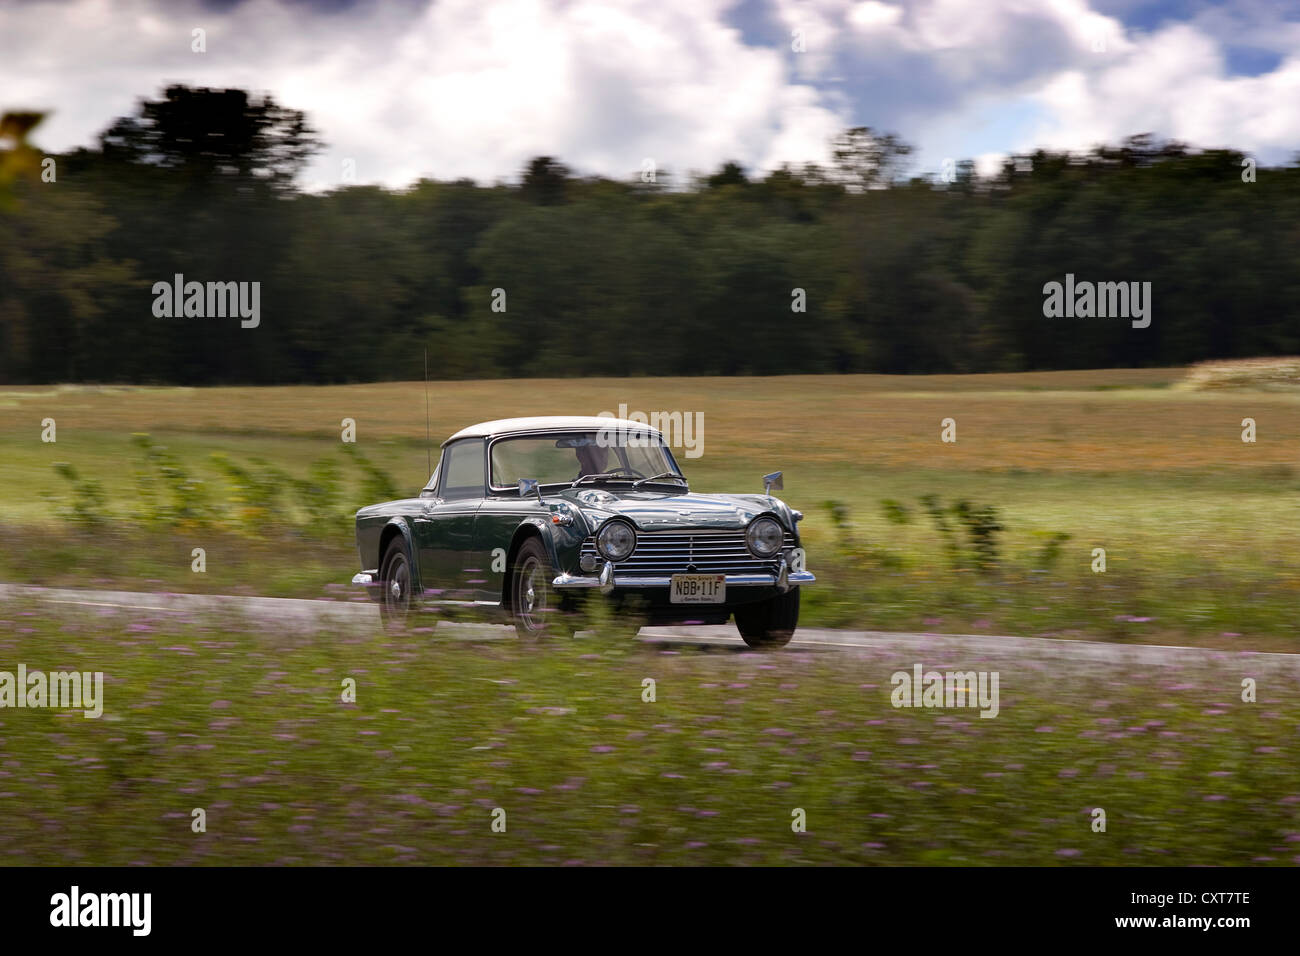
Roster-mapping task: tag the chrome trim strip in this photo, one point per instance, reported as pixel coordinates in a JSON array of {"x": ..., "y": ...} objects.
[
  {"x": 431, "y": 597},
  {"x": 640, "y": 581}
]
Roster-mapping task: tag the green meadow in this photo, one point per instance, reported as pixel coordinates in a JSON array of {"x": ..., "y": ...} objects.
[
  {"x": 1201, "y": 531},
  {"x": 453, "y": 750}
]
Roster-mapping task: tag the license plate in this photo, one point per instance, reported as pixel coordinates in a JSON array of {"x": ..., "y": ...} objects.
[{"x": 698, "y": 589}]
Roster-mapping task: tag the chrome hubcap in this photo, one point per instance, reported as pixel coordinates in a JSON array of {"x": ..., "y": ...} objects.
[
  {"x": 532, "y": 595},
  {"x": 396, "y": 589}
]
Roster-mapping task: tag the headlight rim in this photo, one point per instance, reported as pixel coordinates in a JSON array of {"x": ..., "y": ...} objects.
[
  {"x": 749, "y": 537},
  {"x": 600, "y": 548}
]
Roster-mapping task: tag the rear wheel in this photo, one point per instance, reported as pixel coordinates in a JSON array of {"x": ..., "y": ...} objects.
[
  {"x": 769, "y": 623},
  {"x": 395, "y": 576},
  {"x": 534, "y": 603}
]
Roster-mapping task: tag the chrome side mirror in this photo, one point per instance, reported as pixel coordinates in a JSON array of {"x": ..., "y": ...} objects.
[
  {"x": 772, "y": 482},
  {"x": 528, "y": 486}
]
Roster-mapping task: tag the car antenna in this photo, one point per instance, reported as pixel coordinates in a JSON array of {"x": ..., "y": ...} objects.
[{"x": 428, "y": 447}]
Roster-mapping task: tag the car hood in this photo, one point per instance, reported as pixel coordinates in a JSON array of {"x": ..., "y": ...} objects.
[{"x": 672, "y": 511}]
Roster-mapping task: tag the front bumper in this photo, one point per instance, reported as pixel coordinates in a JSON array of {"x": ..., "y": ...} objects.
[{"x": 608, "y": 579}]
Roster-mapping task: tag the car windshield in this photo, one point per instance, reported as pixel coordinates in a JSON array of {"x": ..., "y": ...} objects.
[{"x": 563, "y": 459}]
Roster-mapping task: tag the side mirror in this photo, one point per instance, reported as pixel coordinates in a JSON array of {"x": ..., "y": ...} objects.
[
  {"x": 528, "y": 486},
  {"x": 772, "y": 482}
]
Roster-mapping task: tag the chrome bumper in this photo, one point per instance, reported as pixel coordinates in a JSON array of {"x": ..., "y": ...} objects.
[
  {"x": 366, "y": 578},
  {"x": 607, "y": 581}
]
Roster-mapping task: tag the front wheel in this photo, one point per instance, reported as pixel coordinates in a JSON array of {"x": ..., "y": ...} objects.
[
  {"x": 533, "y": 602},
  {"x": 395, "y": 576},
  {"x": 769, "y": 623}
]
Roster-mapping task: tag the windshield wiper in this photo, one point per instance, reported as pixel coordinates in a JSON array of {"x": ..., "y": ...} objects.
[
  {"x": 660, "y": 477},
  {"x": 603, "y": 476}
]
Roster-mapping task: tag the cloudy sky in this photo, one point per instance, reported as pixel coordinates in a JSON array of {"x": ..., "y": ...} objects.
[{"x": 451, "y": 88}]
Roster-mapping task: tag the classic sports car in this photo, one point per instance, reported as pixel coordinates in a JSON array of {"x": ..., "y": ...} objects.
[{"x": 528, "y": 516}]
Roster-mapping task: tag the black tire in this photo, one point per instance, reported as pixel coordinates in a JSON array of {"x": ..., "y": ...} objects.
[
  {"x": 395, "y": 575},
  {"x": 534, "y": 603},
  {"x": 769, "y": 623}
]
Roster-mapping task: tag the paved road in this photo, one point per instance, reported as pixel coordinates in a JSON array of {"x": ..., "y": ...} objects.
[{"x": 305, "y": 615}]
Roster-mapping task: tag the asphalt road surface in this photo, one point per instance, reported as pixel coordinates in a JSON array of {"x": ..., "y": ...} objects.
[{"x": 306, "y": 615}]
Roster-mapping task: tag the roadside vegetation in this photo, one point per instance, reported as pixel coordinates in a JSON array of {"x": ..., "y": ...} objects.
[
  {"x": 995, "y": 533},
  {"x": 248, "y": 723}
]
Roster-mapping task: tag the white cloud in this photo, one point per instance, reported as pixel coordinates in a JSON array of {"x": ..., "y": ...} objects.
[
  {"x": 408, "y": 88},
  {"x": 1173, "y": 83},
  {"x": 989, "y": 164},
  {"x": 1005, "y": 76},
  {"x": 456, "y": 88},
  {"x": 870, "y": 15}
]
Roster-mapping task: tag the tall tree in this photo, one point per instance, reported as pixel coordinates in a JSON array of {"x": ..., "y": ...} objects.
[
  {"x": 866, "y": 159},
  {"x": 546, "y": 181},
  {"x": 215, "y": 134}
]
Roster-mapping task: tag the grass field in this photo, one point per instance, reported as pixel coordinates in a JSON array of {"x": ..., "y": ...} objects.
[
  {"x": 1201, "y": 530},
  {"x": 247, "y": 722},
  {"x": 445, "y": 735}
]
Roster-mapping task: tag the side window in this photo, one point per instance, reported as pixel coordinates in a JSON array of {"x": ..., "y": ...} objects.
[{"x": 462, "y": 470}]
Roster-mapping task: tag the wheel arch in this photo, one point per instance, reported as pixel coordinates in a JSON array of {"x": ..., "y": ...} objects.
[
  {"x": 528, "y": 528},
  {"x": 393, "y": 529}
]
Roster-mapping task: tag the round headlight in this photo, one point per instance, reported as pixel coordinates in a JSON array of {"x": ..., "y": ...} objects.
[
  {"x": 765, "y": 537},
  {"x": 616, "y": 541}
]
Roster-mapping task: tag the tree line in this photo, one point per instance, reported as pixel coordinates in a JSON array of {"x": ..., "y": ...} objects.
[{"x": 845, "y": 268}]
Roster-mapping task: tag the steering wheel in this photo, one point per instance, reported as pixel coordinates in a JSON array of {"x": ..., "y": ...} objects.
[{"x": 631, "y": 471}]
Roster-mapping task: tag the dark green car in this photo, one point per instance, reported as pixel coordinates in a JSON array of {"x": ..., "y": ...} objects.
[{"x": 531, "y": 516}]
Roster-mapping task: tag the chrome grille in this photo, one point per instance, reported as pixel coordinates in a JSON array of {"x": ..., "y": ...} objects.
[{"x": 708, "y": 552}]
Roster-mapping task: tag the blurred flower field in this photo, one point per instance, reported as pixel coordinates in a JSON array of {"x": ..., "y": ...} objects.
[{"x": 247, "y": 721}]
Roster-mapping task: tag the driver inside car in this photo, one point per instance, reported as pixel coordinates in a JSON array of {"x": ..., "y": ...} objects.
[{"x": 588, "y": 460}]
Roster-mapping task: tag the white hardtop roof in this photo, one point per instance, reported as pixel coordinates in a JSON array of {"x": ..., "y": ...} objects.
[{"x": 506, "y": 426}]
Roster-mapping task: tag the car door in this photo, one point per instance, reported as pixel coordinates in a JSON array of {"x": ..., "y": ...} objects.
[
  {"x": 445, "y": 528},
  {"x": 494, "y": 527},
  {"x": 500, "y": 516}
]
